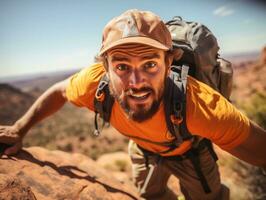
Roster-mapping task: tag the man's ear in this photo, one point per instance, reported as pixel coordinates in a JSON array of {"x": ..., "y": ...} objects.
[
  {"x": 172, "y": 55},
  {"x": 105, "y": 63},
  {"x": 175, "y": 54}
]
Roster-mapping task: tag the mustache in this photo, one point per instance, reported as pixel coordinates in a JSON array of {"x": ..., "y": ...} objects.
[{"x": 131, "y": 91}]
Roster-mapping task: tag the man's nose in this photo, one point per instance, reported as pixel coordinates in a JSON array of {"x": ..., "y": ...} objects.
[{"x": 136, "y": 79}]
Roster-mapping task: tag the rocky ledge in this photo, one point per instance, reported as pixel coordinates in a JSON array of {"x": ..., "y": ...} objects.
[{"x": 37, "y": 173}]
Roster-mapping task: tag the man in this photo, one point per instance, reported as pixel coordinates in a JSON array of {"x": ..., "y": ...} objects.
[{"x": 136, "y": 54}]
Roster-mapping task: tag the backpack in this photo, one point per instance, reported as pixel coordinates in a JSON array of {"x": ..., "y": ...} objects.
[
  {"x": 200, "y": 60},
  {"x": 199, "y": 43}
]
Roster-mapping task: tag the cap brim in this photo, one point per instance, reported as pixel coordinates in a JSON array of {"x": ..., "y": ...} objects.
[{"x": 136, "y": 40}]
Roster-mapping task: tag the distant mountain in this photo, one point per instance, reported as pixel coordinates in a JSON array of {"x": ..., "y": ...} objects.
[
  {"x": 38, "y": 82},
  {"x": 249, "y": 77},
  {"x": 238, "y": 58},
  {"x": 13, "y": 103}
]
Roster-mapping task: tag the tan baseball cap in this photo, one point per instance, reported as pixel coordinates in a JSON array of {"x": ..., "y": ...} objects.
[{"x": 135, "y": 26}]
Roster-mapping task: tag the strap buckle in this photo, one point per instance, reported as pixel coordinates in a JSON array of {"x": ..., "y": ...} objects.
[{"x": 99, "y": 95}]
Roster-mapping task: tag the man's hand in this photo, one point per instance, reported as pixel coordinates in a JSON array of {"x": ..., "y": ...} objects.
[
  {"x": 47, "y": 104},
  {"x": 10, "y": 140}
]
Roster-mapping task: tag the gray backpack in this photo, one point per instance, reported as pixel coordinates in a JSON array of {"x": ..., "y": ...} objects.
[{"x": 198, "y": 42}]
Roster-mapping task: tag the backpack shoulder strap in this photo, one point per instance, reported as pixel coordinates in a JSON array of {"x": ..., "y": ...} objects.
[
  {"x": 175, "y": 103},
  {"x": 103, "y": 103},
  {"x": 175, "y": 110}
]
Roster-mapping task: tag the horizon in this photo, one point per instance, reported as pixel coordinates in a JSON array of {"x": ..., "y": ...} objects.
[
  {"x": 29, "y": 75},
  {"x": 40, "y": 37}
]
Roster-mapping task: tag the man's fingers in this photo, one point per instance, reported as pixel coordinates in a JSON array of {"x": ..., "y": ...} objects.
[
  {"x": 7, "y": 139},
  {"x": 3, "y": 128},
  {"x": 14, "y": 149},
  {"x": 8, "y": 135},
  {"x": 10, "y": 142}
]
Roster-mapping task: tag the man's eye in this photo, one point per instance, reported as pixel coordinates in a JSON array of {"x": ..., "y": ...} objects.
[
  {"x": 122, "y": 67},
  {"x": 150, "y": 65}
]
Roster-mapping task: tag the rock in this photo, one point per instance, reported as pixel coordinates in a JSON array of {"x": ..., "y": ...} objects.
[
  {"x": 13, "y": 188},
  {"x": 263, "y": 56},
  {"x": 249, "y": 80},
  {"x": 52, "y": 175}
]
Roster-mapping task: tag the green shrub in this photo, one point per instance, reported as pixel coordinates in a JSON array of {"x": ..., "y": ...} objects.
[
  {"x": 121, "y": 165},
  {"x": 256, "y": 109}
]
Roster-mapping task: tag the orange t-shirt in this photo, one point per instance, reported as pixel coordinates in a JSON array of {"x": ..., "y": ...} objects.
[{"x": 209, "y": 114}]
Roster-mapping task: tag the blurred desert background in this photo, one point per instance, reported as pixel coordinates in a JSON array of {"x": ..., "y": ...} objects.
[{"x": 71, "y": 129}]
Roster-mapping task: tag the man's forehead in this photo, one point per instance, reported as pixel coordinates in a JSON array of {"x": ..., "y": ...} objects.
[
  {"x": 127, "y": 57},
  {"x": 135, "y": 50}
]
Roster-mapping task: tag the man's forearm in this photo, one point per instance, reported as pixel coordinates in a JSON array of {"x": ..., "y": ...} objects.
[
  {"x": 48, "y": 103},
  {"x": 253, "y": 150}
]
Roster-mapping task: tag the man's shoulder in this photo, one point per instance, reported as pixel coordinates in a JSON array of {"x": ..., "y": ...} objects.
[
  {"x": 89, "y": 76},
  {"x": 197, "y": 87},
  {"x": 82, "y": 85},
  {"x": 94, "y": 71},
  {"x": 202, "y": 97}
]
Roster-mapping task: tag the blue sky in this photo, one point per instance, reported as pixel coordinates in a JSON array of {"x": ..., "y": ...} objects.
[{"x": 53, "y": 35}]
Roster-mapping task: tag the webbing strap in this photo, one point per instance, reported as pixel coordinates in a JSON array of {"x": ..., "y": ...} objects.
[
  {"x": 193, "y": 155},
  {"x": 186, "y": 135},
  {"x": 103, "y": 107},
  {"x": 209, "y": 145},
  {"x": 172, "y": 99},
  {"x": 175, "y": 102},
  {"x": 183, "y": 126}
]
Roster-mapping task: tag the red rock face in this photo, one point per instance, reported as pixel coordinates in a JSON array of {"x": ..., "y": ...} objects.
[
  {"x": 249, "y": 78},
  {"x": 263, "y": 56},
  {"x": 52, "y": 175},
  {"x": 14, "y": 188}
]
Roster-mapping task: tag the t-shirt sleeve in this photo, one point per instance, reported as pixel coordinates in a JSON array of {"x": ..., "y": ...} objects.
[
  {"x": 211, "y": 116},
  {"x": 83, "y": 85}
]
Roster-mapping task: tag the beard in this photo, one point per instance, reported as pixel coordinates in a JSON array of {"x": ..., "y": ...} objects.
[{"x": 141, "y": 112}]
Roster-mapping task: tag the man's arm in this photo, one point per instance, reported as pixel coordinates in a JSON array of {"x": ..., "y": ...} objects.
[
  {"x": 47, "y": 104},
  {"x": 253, "y": 149}
]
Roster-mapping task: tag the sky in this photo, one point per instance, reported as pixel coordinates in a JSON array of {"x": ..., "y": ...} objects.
[{"x": 39, "y": 36}]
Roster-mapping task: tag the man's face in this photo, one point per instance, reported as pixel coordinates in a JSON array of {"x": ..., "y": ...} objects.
[{"x": 137, "y": 75}]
